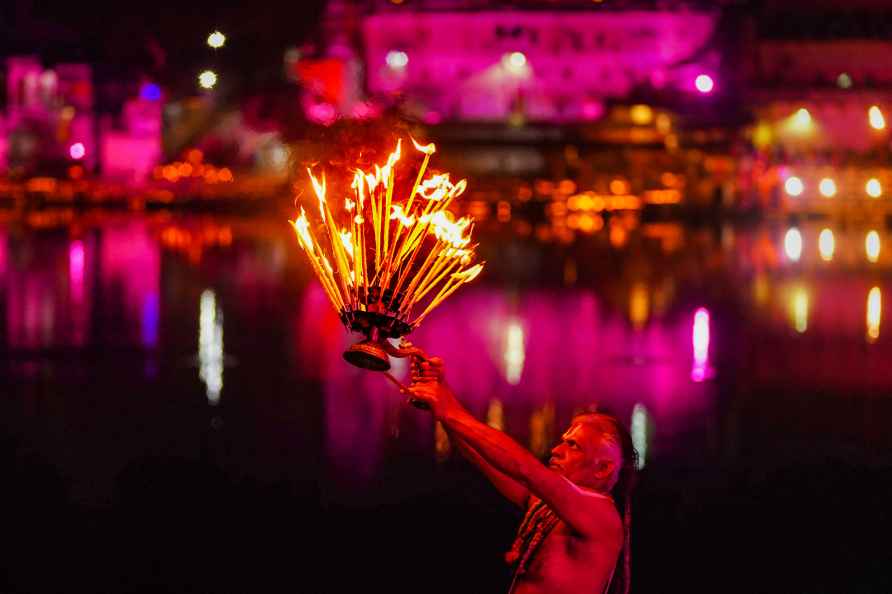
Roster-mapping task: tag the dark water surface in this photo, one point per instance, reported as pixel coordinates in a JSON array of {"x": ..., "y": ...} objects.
[{"x": 176, "y": 416}]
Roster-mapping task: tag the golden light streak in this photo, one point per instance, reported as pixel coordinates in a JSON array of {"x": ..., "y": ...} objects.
[
  {"x": 799, "y": 309},
  {"x": 874, "y": 312},
  {"x": 872, "y": 246}
]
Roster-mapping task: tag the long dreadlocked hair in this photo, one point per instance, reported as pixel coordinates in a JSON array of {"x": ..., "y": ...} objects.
[{"x": 622, "y": 491}]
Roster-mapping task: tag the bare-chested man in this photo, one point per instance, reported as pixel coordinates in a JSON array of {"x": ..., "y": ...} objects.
[{"x": 572, "y": 534}]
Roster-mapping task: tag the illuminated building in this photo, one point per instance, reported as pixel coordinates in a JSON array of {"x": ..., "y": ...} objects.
[
  {"x": 50, "y": 118},
  {"x": 532, "y": 63}
]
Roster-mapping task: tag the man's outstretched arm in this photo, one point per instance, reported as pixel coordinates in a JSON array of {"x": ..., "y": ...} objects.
[
  {"x": 578, "y": 508},
  {"x": 514, "y": 491}
]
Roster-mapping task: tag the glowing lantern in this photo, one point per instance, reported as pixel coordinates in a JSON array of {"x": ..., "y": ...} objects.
[
  {"x": 873, "y": 188},
  {"x": 827, "y": 187}
]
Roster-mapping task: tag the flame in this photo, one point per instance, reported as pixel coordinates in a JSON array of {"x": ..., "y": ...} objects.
[
  {"x": 320, "y": 191},
  {"x": 373, "y": 250},
  {"x": 372, "y": 180},
  {"x": 358, "y": 186},
  {"x": 347, "y": 242},
  {"x": 458, "y": 189},
  {"x": 400, "y": 215},
  {"x": 427, "y": 149},
  {"x": 469, "y": 274},
  {"x": 436, "y": 187},
  {"x": 447, "y": 230},
  {"x": 302, "y": 227}
]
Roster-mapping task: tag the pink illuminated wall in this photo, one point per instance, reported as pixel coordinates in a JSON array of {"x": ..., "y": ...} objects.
[
  {"x": 457, "y": 61},
  {"x": 130, "y": 154}
]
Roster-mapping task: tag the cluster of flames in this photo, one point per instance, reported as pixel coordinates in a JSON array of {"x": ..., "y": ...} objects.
[{"x": 386, "y": 257}]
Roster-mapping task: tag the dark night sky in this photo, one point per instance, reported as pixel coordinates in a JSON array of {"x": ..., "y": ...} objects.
[{"x": 163, "y": 40}]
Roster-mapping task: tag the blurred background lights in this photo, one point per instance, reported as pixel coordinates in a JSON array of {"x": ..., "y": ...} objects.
[
  {"x": 704, "y": 83},
  {"x": 641, "y": 115},
  {"x": 216, "y": 40},
  {"x": 826, "y": 245},
  {"x": 827, "y": 187},
  {"x": 150, "y": 92},
  {"x": 874, "y": 312},
  {"x": 793, "y": 244},
  {"x": 873, "y": 188},
  {"x": 638, "y": 431},
  {"x": 210, "y": 345},
  {"x": 514, "y": 354},
  {"x": 799, "y": 309},
  {"x": 515, "y": 62},
  {"x": 794, "y": 186},
  {"x": 397, "y": 59},
  {"x": 872, "y": 246},
  {"x": 700, "y": 343},
  {"x": 801, "y": 121},
  {"x": 875, "y": 117},
  {"x": 77, "y": 150},
  {"x": 207, "y": 79},
  {"x": 844, "y": 81}
]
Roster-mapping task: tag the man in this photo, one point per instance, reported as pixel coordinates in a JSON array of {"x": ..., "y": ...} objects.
[{"x": 571, "y": 536}]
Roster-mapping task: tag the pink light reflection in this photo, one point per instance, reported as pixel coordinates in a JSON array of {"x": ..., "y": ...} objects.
[
  {"x": 700, "y": 340},
  {"x": 576, "y": 353},
  {"x": 76, "y": 292}
]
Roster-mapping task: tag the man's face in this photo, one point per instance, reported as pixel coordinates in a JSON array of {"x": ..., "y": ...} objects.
[{"x": 573, "y": 456}]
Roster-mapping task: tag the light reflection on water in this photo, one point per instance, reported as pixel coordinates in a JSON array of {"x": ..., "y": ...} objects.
[{"x": 644, "y": 327}]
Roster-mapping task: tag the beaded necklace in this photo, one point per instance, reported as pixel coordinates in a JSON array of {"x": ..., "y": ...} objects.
[{"x": 537, "y": 523}]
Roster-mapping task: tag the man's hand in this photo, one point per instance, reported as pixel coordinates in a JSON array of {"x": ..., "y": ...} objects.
[{"x": 429, "y": 386}]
